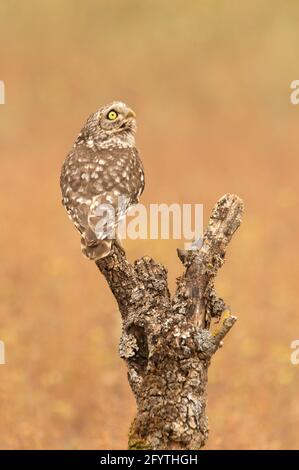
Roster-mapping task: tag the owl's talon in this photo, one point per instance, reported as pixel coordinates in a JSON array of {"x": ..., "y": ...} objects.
[{"x": 117, "y": 243}]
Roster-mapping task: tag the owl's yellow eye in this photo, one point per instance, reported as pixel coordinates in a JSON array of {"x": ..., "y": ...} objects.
[{"x": 112, "y": 115}]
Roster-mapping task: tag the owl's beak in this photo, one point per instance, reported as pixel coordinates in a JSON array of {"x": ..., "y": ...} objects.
[{"x": 131, "y": 114}]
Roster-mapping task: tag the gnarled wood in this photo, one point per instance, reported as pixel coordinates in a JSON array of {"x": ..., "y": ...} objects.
[{"x": 167, "y": 343}]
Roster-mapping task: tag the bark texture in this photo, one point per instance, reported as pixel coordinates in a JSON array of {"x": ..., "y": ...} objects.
[{"x": 167, "y": 343}]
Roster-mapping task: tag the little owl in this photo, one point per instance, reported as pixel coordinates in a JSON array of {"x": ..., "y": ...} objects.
[{"x": 102, "y": 177}]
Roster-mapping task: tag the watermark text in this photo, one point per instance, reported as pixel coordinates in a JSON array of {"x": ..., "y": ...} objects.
[
  {"x": 2, "y": 92},
  {"x": 2, "y": 353},
  {"x": 295, "y": 354},
  {"x": 294, "y": 96}
]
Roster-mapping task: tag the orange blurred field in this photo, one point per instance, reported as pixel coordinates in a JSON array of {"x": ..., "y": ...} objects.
[{"x": 210, "y": 82}]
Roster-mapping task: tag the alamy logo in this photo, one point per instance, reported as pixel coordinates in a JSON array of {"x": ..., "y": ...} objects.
[
  {"x": 295, "y": 354},
  {"x": 2, "y": 92},
  {"x": 159, "y": 221},
  {"x": 294, "y": 97},
  {"x": 2, "y": 353}
]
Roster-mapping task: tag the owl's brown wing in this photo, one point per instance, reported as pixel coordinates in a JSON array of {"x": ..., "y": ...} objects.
[
  {"x": 118, "y": 192},
  {"x": 95, "y": 176}
]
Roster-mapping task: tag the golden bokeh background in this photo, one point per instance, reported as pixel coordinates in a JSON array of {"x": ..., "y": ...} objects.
[{"x": 210, "y": 82}]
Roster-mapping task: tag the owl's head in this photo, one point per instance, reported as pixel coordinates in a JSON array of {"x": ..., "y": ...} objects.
[{"x": 114, "y": 120}]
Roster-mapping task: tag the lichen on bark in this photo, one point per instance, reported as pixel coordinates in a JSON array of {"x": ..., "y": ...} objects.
[{"x": 166, "y": 342}]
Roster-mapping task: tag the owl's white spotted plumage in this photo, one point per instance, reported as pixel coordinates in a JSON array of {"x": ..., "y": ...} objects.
[{"x": 103, "y": 169}]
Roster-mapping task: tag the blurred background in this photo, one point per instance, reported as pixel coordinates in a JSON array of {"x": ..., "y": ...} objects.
[{"x": 210, "y": 82}]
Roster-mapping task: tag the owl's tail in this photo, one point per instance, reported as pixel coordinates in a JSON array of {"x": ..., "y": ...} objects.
[{"x": 96, "y": 251}]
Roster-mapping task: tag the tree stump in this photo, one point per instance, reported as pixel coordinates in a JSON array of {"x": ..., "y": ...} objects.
[{"x": 167, "y": 343}]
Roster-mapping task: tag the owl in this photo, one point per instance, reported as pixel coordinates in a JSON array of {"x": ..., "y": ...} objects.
[{"x": 102, "y": 177}]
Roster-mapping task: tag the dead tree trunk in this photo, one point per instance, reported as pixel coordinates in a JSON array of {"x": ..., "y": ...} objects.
[{"x": 167, "y": 343}]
